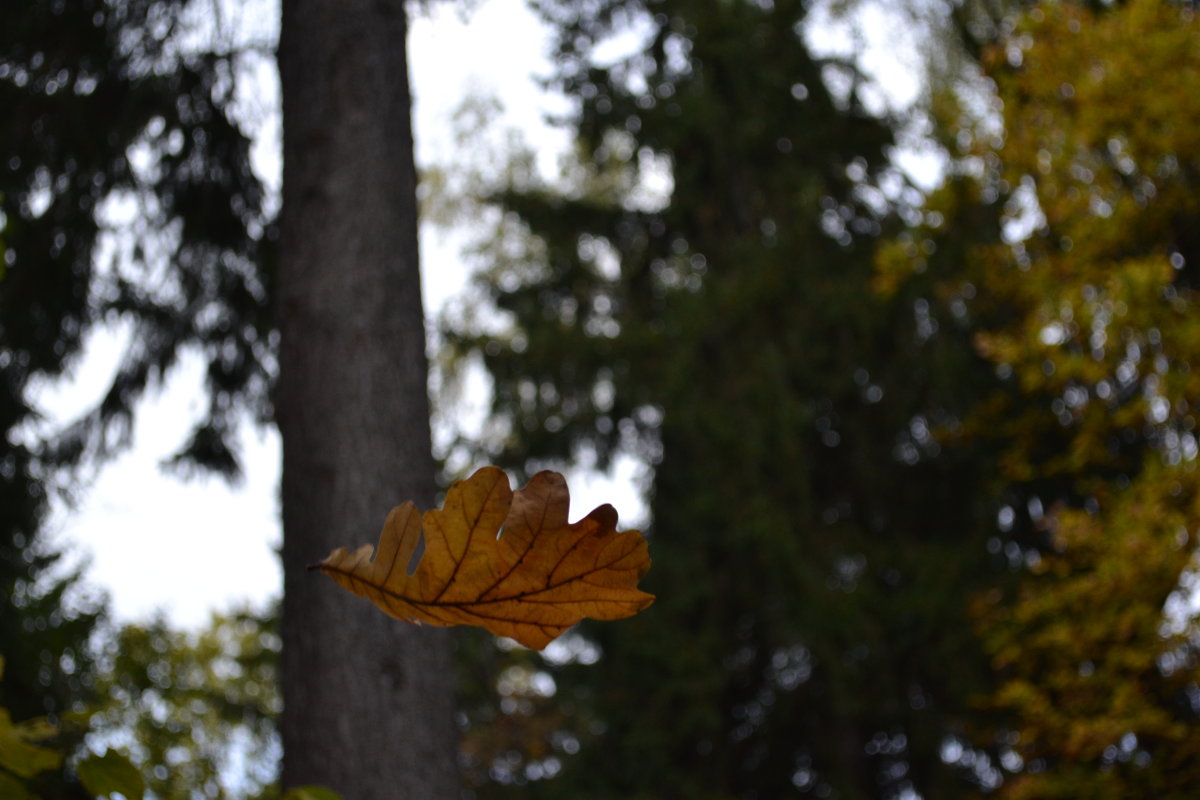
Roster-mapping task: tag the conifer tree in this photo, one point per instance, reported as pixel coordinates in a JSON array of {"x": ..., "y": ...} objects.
[
  {"x": 112, "y": 105},
  {"x": 814, "y": 546}
]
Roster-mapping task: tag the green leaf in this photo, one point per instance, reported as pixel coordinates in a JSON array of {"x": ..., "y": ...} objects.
[
  {"x": 311, "y": 793},
  {"x": 109, "y": 774},
  {"x": 13, "y": 789},
  {"x": 17, "y": 754}
]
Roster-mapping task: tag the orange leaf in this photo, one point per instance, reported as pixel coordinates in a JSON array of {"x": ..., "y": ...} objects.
[{"x": 507, "y": 561}]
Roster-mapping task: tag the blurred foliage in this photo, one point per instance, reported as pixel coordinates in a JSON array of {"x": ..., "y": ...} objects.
[
  {"x": 23, "y": 752},
  {"x": 197, "y": 711},
  {"x": 110, "y": 774},
  {"x": 34, "y": 747},
  {"x": 126, "y": 197},
  {"x": 159, "y": 222},
  {"x": 311, "y": 793},
  {"x": 698, "y": 291},
  {"x": 1086, "y": 307},
  {"x": 923, "y": 493}
]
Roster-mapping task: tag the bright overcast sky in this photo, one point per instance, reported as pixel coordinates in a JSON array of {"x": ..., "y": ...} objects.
[{"x": 189, "y": 548}]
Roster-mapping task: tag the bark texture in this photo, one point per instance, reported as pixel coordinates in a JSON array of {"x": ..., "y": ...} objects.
[{"x": 368, "y": 709}]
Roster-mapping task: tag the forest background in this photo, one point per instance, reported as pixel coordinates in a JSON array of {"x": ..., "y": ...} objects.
[{"x": 919, "y": 464}]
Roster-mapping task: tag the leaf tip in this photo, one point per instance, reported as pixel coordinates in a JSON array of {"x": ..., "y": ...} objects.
[{"x": 605, "y": 516}]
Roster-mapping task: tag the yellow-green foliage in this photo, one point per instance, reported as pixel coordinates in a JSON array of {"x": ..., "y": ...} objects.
[
  {"x": 190, "y": 699},
  {"x": 28, "y": 749},
  {"x": 1093, "y": 314}
]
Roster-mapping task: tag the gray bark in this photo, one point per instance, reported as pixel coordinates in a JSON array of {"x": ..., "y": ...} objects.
[{"x": 368, "y": 706}]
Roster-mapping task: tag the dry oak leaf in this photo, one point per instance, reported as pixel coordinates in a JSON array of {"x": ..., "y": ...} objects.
[{"x": 507, "y": 561}]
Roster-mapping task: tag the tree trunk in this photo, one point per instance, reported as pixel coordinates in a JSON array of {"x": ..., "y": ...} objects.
[{"x": 367, "y": 700}]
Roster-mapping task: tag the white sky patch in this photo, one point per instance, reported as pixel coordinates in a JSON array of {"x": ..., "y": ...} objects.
[{"x": 157, "y": 542}]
